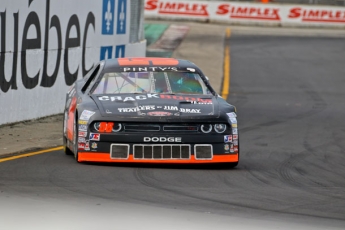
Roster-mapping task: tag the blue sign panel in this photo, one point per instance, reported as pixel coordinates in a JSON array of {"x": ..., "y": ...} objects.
[
  {"x": 120, "y": 51},
  {"x": 106, "y": 52},
  {"x": 121, "y": 17},
  {"x": 108, "y": 17}
]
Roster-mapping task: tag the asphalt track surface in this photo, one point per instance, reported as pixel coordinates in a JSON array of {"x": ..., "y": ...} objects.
[{"x": 289, "y": 92}]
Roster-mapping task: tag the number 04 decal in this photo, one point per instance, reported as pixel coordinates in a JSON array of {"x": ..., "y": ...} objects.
[{"x": 147, "y": 62}]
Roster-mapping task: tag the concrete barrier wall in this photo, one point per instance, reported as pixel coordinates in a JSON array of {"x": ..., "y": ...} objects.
[
  {"x": 245, "y": 13},
  {"x": 46, "y": 45}
]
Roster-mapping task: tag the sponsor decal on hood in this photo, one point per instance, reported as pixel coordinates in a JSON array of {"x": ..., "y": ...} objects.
[
  {"x": 159, "y": 113},
  {"x": 152, "y": 104},
  {"x": 130, "y": 97}
]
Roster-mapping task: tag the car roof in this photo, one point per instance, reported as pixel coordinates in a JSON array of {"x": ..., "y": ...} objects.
[{"x": 147, "y": 62}]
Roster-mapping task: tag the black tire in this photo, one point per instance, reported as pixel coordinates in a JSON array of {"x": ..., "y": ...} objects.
[
  {"x": 65, "y": 148},
  {"x": 232, "y": 165},
  {"x": 64, "y": 140},
  {"x": 75, "y": 140}
]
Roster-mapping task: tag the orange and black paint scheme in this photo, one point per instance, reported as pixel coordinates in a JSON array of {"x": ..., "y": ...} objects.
[{"x": 148, "y": 125}]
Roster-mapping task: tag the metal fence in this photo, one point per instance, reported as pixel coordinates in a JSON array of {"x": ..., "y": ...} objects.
[{"x": 318, "y": 2}]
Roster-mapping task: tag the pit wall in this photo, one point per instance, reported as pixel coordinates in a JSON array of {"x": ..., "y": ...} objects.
[
  {"x": 45, "y": 45},
  {"x": 246, "y": 13}
]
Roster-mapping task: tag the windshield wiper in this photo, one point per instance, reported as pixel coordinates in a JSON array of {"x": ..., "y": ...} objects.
[{"x": 168, "y": 93}]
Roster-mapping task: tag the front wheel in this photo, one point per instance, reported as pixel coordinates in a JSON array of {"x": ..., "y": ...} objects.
[
  {"x": 232, "y": 165},
  {"x": 65, "y": 148},
  {"x": 75, "y": 140},
  {"x": 64, "y": 139}
]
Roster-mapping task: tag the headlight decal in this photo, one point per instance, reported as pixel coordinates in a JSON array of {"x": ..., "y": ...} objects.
[
  {"x": 206, "y": 128},
  {"x": 117, "y": 127},
  {"x": 107, "y": 127},
  {"x": 220, "y": 128}
]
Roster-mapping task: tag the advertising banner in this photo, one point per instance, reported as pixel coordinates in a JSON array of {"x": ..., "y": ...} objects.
[
  {"x": 45, "y": 45},
  {"x": 247, "y": 13}
]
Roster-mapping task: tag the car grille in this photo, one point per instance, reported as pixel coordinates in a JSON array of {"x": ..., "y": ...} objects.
[
  {"x": 160, "y": 127},
  {"x": 188, "y": 128},
  {"x": 119, "y": 151},
  {"x": 203, "y": 152},
  {"x": 161, "y": 152},
  {"x": 141, "y": 127}
]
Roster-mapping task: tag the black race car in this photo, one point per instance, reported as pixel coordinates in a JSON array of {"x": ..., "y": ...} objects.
[{"x": 149, "y": 110}]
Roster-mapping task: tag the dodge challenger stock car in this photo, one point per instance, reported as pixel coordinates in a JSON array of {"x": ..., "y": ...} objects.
[{"x": 149, "y": 110}]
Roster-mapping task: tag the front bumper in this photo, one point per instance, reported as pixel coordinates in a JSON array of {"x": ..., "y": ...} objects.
[
  {"x": 105, "y": 157},
  {"x": 161, "y": 148}
]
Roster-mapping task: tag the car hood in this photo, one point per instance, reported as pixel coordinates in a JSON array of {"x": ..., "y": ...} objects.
[{"x": 157, "y": 105}]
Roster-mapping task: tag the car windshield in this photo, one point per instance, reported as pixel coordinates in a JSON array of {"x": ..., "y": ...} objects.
[{"x": 151, "y": 82}]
